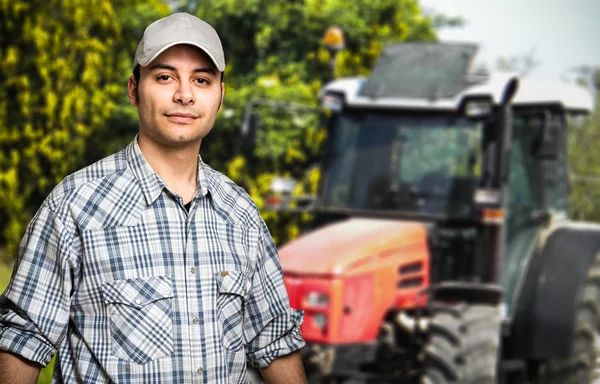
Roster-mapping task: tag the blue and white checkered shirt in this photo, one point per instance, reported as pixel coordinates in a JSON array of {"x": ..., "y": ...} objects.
[{"x": 115, "y": 276}]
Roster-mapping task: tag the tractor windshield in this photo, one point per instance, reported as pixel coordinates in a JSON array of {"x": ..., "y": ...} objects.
[{"x": 426, "y": 165}]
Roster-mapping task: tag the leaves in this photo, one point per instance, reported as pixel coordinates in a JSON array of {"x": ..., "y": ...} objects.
[{"x": 584, "y": 158}]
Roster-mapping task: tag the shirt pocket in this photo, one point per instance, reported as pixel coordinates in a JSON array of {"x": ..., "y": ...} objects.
[
  {"x": 141, "y": 321},
  {"x": 232, "y": 290}
]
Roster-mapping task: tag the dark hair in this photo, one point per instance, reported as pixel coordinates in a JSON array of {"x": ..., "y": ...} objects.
[{"x": 136, "y": 74}]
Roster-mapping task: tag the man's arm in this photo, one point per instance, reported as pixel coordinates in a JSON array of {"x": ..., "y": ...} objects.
[
  {"x": 271, "y": 325},
  {"x": 287, "y": 369},
  {"x": 16, "y": 370},
  {"x": 34, "y": 308}
]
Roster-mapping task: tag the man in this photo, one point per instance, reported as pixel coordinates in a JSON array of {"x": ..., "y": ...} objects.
[{"x": 149, "y": 266}]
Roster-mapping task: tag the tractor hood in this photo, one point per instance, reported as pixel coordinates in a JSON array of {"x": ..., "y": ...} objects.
[{"x": 347, "y": 245}]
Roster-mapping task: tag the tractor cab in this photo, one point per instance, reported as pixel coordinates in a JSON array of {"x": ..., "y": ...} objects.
[
  {"x": 478, "y": 158},
  {"x": 440, "y": 226}
]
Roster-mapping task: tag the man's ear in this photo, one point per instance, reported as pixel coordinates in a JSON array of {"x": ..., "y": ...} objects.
[{"x": 132, "y": 91}]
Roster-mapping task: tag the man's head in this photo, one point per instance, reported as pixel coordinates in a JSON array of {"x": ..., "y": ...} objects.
[{"x": 177, "y": 82}]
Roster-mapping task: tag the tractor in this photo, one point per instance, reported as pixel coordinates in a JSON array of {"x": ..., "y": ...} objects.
[{"x": 441, "y": 249}]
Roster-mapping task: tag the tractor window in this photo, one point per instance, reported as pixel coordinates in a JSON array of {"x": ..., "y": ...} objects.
[
  {"x": 524, "y": 191},
  {"x": 557, "y": 188},
  {"x": 426, "y": 165}
]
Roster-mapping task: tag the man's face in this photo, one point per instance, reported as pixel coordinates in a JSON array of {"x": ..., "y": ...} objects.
[{"x": 178, "y": 97}]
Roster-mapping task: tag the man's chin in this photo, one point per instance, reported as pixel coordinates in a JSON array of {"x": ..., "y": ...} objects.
[
  {"x": 175, "y": 137},
  {"x": 182, "y": 141},
  {"x": 176, "y": 141}
]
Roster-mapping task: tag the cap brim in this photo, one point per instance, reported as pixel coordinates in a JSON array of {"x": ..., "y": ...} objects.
[{"x": 157, "y": 53}]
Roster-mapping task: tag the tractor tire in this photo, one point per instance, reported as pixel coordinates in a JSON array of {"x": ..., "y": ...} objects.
[
  {"x": 463, "y": 345},
  {"x": 582, "y": 366}
]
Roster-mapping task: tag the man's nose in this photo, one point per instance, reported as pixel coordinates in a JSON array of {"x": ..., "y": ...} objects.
[{"x": 184, "y": 94}]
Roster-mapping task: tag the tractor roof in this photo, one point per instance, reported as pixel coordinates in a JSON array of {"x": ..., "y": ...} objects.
[
  {"x": 530, "y": 92},
  {"x": 437, "y": 76}
]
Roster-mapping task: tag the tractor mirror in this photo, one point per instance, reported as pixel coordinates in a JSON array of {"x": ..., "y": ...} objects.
[
  {"x": 283, "y": 185},
  {"x": 546, "y": 144},
  {"x": 281, "y": 197}
]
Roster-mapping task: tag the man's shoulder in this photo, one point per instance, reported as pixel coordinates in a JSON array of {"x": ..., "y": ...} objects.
[
  {"x": 233, "y": 202},
  {"x": 72, "y": 185}
]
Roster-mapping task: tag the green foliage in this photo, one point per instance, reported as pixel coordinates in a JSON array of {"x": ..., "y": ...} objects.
[
  {"x": 58, "y": 88},
  {"x": 584, "y": 160},
  {"x": 5, "y": 272},
  {"x": 52, "y": 94},
  {"x": 46, "y": 373}
]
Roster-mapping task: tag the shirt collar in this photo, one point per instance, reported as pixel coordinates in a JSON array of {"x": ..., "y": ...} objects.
[{"x": 150, "y": 183}]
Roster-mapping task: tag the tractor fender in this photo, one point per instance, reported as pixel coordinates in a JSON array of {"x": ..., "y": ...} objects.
[{"x": 543, "y": 323}]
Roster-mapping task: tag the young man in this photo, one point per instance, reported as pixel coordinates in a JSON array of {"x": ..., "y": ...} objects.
[{"x": 149, "y": 266}]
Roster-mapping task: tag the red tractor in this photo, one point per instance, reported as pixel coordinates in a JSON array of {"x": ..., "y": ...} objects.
[{"x": 441, "y": 250}]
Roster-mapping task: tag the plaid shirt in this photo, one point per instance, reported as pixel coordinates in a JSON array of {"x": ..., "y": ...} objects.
[{"x": 115, "y": 276}]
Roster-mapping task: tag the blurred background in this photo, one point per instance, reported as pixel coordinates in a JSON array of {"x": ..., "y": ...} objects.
[{"x": 64, "y": 67}]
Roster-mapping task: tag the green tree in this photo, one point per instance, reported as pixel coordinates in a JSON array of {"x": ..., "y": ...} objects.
[
  {"x": 58, "y": 87},
  {"x": 584, "y": 157}
]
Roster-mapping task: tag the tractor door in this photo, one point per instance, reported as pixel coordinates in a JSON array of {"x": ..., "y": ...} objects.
[{"x": 537, "y": 190}]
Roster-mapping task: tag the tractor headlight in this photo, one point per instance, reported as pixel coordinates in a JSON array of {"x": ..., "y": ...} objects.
[
  {"x": 317, "y": 299},
  {"x": 487, "y": 197},
  {"x": 478, "y": 108}
]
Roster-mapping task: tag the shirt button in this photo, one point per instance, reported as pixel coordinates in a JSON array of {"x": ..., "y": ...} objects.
[
  {"x": 193, "y": 270},
  {"x": 200, "y": 370},
  {"x": 196, "y": 320},
  {"x": 138, "y": 301}
]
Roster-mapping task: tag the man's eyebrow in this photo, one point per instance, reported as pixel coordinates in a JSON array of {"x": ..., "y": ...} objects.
[
  {"x": 205, "y": 70},
  {"x": 162, "y": 66}
]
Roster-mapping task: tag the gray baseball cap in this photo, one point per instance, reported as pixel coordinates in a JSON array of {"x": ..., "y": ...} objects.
[{"x": 179, "y": 28}]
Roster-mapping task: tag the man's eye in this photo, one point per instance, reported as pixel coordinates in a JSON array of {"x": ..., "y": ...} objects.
[
  {"x": 202, "y": 81},
  {"x": 164, "y": 77}
]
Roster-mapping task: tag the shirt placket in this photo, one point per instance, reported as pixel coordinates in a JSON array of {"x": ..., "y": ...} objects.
[{"x": 194, "y": 320}]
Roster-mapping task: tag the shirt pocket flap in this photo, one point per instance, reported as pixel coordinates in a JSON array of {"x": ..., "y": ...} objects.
[
  {"x": 137, "y": 292},
  {"x": 232, "y": 282}
]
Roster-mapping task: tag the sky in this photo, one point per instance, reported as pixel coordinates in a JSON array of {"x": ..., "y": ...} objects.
[{"x": 561, "y": 34}]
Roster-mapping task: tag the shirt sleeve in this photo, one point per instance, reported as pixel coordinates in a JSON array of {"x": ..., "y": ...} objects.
[
  {"x": 34, "y": 308},
  {"x": 271, "y": 325}
]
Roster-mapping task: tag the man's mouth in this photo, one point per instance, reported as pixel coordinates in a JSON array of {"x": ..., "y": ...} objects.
[{"x": 184, "y": 118}]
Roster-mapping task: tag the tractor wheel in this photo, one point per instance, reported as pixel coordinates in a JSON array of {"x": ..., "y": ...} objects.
[
  {"x": 463, "y": 345},
  {"x": 582, "y": 366}
]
